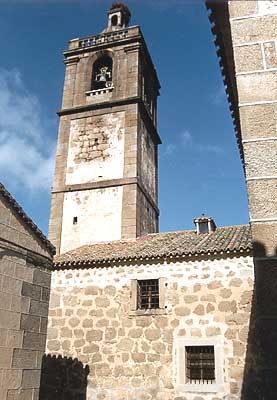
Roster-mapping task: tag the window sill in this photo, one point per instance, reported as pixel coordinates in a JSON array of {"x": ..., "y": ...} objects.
[
  {"x": 157, "y": 311},
  {"x": 199, "y": 388},
  {"x": 97, "y": 92}
]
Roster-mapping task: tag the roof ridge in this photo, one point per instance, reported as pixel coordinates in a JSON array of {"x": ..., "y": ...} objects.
[{"x": 193, "y": 230}]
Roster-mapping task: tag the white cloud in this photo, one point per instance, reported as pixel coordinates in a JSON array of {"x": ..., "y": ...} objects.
[
  {"x": 186, "y": 137},
  {"x": 26, "y": 152},
  {"x": 219, "y": 96},
  {"x": 188, "y": 141}
]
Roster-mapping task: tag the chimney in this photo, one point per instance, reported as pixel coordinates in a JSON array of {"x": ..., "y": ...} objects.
[{"x": 204, "y": 224}]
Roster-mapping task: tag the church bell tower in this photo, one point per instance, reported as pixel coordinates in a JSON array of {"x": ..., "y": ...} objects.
[{"x": 105, "y": 184}]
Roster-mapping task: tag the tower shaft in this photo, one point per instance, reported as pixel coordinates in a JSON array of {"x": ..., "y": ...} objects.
[{"x": 105, "y": 184}]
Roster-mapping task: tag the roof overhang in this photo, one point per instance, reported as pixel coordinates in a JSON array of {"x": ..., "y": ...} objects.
[{"x": 221, "y": 29}]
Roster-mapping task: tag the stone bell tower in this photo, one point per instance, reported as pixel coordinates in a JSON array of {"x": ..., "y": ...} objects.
[{"x": 105, "y": 184}]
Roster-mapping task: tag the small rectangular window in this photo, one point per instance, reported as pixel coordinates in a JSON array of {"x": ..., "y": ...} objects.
[
  {"x": 200, "y": 364},
  {"x": 75, "y": 220},
  {"x": 148, "y": 294}
]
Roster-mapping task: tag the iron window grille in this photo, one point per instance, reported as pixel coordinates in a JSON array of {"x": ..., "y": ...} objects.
[
  {"x": 148, "y": 294},
  {"x": 200, "y": 364}
]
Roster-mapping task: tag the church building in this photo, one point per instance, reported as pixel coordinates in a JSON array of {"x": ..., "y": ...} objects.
[{"x": 154, "y": 315}]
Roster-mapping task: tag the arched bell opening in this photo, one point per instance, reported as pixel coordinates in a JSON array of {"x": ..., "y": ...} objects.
[
  {"x": 114, "y": 20},
  {"x": 102, "y": 73}
]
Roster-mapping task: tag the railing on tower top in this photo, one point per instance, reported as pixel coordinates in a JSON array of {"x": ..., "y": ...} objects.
[{"x": 103, "y": 38}]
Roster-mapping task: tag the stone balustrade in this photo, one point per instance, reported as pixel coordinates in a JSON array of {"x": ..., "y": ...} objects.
[{"x": 104, "y": 38}]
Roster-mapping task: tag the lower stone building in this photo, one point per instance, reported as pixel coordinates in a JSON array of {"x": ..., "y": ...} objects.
[
  {"x": 165, "y": 316},
  {"x": 25, "y": 275}
]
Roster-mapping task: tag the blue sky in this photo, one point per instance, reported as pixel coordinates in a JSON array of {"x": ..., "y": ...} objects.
[{"x": 199, "y": 165}]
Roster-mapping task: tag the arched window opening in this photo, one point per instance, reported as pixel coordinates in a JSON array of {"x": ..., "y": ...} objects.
[
  {"x": 102, "y": 73},
  {"x": 114, "y": 20}
]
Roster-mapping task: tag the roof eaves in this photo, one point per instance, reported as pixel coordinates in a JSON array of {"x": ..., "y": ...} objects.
[
  {"x": 105, "y": 261},
  {"x": 221, "y": 29}
]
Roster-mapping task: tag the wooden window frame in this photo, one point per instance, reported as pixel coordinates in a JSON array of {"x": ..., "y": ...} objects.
[
  {"x": 134, "y": 297},
  {"x": 148, "y": 294}
]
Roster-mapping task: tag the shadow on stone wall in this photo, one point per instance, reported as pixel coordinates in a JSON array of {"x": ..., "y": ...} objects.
[
  {"x": 63, "y": 378},
  {"x": 260, "y": 375}
]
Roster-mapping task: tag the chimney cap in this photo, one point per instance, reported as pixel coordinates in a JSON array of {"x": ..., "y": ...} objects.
[{"x": 204, "y": 224}]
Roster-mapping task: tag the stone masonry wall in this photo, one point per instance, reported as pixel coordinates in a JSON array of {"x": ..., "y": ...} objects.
[
  {"x": 96, "y": 149},
  {"x": 254, "y": 37},
  {"x": 95, "y": 155},
  {"x": 24, "y": 298},
  {"x": 133, "y": 355}
]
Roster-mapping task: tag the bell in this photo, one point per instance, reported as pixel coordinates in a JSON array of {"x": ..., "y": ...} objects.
[{"x": 103, "y": 78}]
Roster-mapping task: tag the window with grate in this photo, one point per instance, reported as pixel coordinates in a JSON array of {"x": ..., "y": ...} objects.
[
  {"x": 200, "y": 364},
  {"x": 148, "y": 294}
]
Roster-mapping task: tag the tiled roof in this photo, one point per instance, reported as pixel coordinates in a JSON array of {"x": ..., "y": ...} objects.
[
  {"x": 19, "y": 210},
  {"x": 230, "y": 239}
]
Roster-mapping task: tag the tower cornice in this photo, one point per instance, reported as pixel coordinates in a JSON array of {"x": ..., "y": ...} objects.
[{"x": 130, "y": 100}]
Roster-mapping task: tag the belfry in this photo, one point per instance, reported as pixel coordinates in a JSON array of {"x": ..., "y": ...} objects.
[{"x": 105, "y": 185}]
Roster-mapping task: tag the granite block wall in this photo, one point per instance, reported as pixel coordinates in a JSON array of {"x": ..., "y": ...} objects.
[
  {"x": 253, "y": 28},
  {"x": 25, "y": 277},
  {"x": 247, "y": 35}
]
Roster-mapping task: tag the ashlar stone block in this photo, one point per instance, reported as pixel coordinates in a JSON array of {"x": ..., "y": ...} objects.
[
  {"x": 261, "y": 28},
  {"x": 258, "y": 121},
  {"x": 262, "y": 198},
  {"x": 23, "y": 358},
  {"x": 248, "y": 58},
  {"x": 256, "y": 87},
  {"x": 242, "y": 8}
]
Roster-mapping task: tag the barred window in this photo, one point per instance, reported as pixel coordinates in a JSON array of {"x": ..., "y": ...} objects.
[
  {"x": 200, "y": 364},
  {"x": 148, "y": 294}
]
